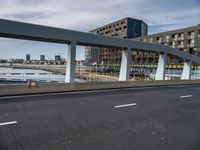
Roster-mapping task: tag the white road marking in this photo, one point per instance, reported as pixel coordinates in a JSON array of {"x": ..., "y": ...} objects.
[
  {"x": 186, "y": 96},
  {"x": 125, "y": 105},
  {"x": 8, "y": 123}
]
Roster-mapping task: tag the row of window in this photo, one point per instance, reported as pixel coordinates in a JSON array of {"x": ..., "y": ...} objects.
[
  {"x": 180, "y": 36},
  {"x": 110, "y": 26},
  {"x": 112, "y": 30}
]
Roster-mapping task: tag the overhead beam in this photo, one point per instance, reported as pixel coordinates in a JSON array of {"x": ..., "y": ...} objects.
[{"x": 26, "y": 31}]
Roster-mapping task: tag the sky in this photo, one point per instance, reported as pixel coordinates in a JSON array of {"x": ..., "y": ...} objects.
[{"x": 85, "y": 15}]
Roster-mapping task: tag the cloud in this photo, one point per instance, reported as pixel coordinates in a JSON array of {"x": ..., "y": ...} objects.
[
  {"x": 88, "y": 14},
  {"x": 85, "y": 15}
]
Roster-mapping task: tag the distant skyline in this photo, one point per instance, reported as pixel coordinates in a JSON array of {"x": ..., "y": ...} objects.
[{"x": 160, "y": 15}]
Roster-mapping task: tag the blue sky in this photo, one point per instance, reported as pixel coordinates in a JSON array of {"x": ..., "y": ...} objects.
[{"x": 84, "y": 15}]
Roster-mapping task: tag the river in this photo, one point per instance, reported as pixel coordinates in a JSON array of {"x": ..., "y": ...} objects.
[{"x": 9, "y": 75}]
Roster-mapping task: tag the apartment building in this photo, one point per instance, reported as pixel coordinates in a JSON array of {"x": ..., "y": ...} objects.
[
  {"x": 187, "y": 39},
  {"x": 126, "y": 28}
]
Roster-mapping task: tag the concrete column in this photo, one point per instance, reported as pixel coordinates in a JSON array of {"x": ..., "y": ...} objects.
[
  {"x": 71, "y": 60},
  {"x": 186, "y": 74},
  {"x": 125, "y": 65},
  {"x": 160, "y": 73}
]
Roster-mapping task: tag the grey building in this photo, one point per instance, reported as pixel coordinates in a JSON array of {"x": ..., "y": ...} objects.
[
  {"x": 186, "y": 39},
  {"x": 42, "y": 57},
  {"x": 127, "y": 28},
  {"x": 57, "y": 58},
  {"x": 28, "y": 57}
]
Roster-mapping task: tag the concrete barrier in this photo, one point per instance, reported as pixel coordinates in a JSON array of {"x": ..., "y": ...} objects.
[{"x": 64, "y": 87}]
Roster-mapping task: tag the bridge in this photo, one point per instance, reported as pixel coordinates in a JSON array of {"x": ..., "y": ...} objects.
[
  {"x": 100, "y": 116},
  {"x": 26, "y": 31}
]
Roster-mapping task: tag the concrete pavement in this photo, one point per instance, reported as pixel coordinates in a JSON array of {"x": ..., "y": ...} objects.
[{"x": 166, "y": 118}]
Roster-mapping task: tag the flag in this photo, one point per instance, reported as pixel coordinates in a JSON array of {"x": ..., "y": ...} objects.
[{"x": 94, "y": 62}]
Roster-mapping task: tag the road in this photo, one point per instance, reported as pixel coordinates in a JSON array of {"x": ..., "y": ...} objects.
[{"x": 166, "y": 118}]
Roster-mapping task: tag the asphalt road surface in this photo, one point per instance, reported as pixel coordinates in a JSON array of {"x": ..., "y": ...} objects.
[{"x": 166, "y": 118}]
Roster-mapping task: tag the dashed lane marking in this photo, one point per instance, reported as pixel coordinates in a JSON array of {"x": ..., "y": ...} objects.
[
  {"x": 125, "y": 105},
  {"x": 185, "y": 96},
  {"x": 8, "y": 123}
]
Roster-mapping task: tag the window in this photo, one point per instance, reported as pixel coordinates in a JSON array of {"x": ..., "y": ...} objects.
[
  {"x": 182, "y": 36},
  {"x": 181, "y": 43},
  {"x": 191, "y": 50},
  {"x": 176, "y": 37},
  {"x": 167, "y": 38},
  {"x": 192, "y": 34}
]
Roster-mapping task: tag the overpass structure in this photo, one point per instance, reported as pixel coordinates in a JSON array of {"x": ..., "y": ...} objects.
[{"x": 26, "y": 31}]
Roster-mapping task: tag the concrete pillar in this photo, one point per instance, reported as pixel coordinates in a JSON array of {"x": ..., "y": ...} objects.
[
  {"x": 160, "y": 73},
  {"x": 125, "y": 65},
  {"x": 71, "y": 62},
  {"x": 186, "y": 74}
]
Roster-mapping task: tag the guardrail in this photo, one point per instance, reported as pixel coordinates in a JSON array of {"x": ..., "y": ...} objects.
[{"x": 41, "y": 77}]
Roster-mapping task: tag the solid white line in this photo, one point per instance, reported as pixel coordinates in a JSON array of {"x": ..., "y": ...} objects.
[
  {"x": 126, "y": 105},
  {"x": 186, "y": 96},
  {"x": 8, "y": 123}
]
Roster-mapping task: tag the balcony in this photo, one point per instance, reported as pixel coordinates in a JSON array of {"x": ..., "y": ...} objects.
[
  {"x": 174, "y": 46},
  {"x": 190, "y": 45},
  {"x": 180, "y": 38},
  {"x": 190, "y": 36},
  {"x": 180, "y": 46}
]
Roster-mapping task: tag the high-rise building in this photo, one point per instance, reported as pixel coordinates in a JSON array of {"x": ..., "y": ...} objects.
[
  {"x": 28, "y": 57},
  {"x": 186, "y": 39},
  {"x": 42, "y": 57},
  {"x": 57, "y": 58},
  {"x": 125, "y": 28}
]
